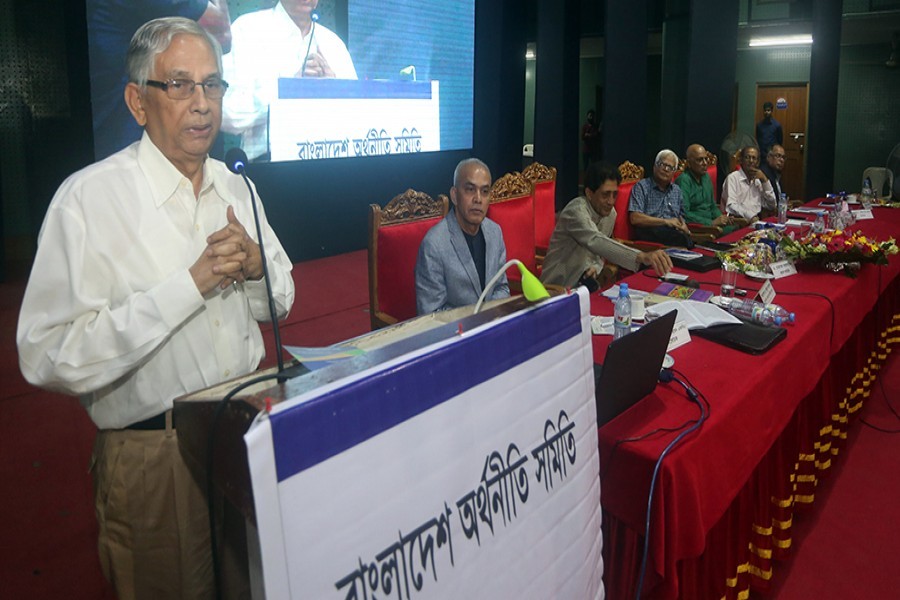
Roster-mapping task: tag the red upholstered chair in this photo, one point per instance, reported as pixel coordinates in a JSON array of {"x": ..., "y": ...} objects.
[
  {"x": 622, "y": 229},
  {"x": 713, "y": 170},
  {"x": 631, "y": 174},
  {"x": 512, "y": 207},
  {"x": 544, "y": 180},
  {"x": 395, "y": 234}
]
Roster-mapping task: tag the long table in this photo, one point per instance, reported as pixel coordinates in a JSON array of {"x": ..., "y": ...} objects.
[{"x": 726, "y": 496}]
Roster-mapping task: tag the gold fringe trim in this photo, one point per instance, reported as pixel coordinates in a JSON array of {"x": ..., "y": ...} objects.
[
  {"x": 760, "y": 552},
  {"x": 783, "y": 524},
  {"x": 783, "y": 544},
  {"x": 855, "y": 395},
  {"x": 782, "y": 503},
  {"x": 757, "y": 572}
]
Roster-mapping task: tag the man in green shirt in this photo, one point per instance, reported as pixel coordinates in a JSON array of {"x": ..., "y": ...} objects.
[{"x": 696, "y": 189}]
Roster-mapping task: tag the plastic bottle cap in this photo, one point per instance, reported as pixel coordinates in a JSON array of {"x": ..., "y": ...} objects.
[{"x": 791, "y": 317}]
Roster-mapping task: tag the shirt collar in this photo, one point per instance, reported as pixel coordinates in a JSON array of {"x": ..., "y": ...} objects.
[
  {"x": 284, "y": 20},
  {"x": 697, "y": 179},
  {"x": 161, "y": 174}
]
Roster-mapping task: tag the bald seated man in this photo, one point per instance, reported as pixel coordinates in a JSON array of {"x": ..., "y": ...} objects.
[{"x": 697, "y": 191}]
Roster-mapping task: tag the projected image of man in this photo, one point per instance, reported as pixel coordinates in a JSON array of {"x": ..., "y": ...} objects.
[{"x": 283, "y": 41}]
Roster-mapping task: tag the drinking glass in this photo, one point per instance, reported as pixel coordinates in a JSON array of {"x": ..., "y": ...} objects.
[{"x": 728, "y": 283}]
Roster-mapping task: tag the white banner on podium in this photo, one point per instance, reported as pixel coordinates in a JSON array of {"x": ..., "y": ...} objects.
[
  {"x": 467, "y": 469},
  {"x": 314, "y": 119}
]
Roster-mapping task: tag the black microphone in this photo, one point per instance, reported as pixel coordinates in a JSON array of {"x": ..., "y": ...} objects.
[
  {"x": 312, "y": 31},
  {"x": 236, "y": 161}
]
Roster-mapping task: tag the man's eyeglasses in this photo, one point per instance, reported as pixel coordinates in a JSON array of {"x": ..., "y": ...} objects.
[
  {"x": 666, "y": 167},
  {"x": 181, "y": 89}
]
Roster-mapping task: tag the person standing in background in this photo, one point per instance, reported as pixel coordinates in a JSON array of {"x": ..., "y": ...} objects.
[
  {"x": 768, "y": 131},
  {"x": 589, "y": 135}
]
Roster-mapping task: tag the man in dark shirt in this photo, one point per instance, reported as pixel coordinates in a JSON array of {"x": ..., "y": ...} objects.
[
  {"x": 773, "y": 166},
  {"x": 768, "y": 131}
]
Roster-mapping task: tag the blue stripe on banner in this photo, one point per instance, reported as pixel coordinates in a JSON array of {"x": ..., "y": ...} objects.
[
  {"x": 314, "y": 431},
  {"x": 292, "y": 89}
]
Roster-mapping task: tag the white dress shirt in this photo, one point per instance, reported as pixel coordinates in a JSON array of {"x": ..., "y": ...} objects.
[
  {"x": 745, "y": 197},
  {"x": 111, "y": 312},
  {"x": 266, "y": 45}
]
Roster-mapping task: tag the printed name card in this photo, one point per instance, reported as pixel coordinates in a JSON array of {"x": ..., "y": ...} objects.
[
  {"x": 767, "y": 292},
  {"x": 863, "y": 214},
  {"x": 680, "y": 336},
  {"x": 783, "y": 268}
]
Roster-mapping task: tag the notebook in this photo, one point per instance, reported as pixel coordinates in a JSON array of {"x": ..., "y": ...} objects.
[
  {"x": 681, "y": 292},
  {"x": 631, "y": 368}
]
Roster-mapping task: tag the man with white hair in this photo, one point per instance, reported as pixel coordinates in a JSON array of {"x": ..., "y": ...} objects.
[
  {"x": 146, "y": 286},
  {"x": 655, "y": 208}
]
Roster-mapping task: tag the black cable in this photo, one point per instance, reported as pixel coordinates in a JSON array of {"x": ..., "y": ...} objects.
[
  {"x": 704, "y": 413},
  {"x": 830, "y": 303},
  {"x": 220, "y": 408},
  {"x": 639, "y": 438}
]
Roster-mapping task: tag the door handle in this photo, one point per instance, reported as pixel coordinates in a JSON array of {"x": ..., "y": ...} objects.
[{"x": 797, "y": 135}]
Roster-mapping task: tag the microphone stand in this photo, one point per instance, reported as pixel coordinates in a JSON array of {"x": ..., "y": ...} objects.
[
  {"x": 239, "y": 167},
  {"x": 312, "y": 31}
]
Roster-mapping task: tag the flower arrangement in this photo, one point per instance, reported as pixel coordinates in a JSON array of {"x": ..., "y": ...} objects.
[
  {"x": 838, "y": 250},
  {"x": 754, "y": 252}
]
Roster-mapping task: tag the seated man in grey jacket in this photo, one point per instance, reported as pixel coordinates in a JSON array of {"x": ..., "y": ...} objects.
[
  {"x": 465, "y": 250},
  {"x": 581, "y": 242}
]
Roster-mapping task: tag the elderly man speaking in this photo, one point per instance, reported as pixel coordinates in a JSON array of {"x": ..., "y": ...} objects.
[{"x": 145, "y": 287}]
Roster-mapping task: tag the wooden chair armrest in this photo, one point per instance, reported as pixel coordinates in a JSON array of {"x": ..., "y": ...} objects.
[
  {"x": 380, "y": 319},
  {"x": 700, "y": 228},
  {"x": 642, "y": 246}
]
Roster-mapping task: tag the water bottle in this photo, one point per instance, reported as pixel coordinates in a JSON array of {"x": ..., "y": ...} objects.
[
  {"x": 818, "y": 225},
  {"x": 779, "y": 311},
  {"x": 751, "y": 310},
  {"x": 622, "y": 313},
  {"x": 867, "y": 194},
  {"x": 782, "y": 209}
]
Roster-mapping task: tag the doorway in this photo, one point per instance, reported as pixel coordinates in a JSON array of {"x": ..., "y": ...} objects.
[{"x": 789, "y": 100}]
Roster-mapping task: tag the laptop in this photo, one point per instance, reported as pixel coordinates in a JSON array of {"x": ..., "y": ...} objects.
[{"x": 631, "y": 368}]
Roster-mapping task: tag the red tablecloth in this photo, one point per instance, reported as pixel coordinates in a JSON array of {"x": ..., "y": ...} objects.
[{"x": 724, "y": 497}]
